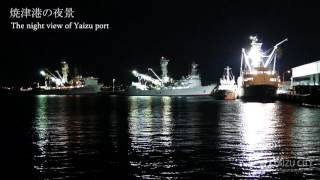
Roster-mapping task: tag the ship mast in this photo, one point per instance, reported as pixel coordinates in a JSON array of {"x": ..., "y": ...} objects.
[
  {"x": 65, "y": 71},
  {"x": 228, "y": 77},
  {"x": 194, "y": 70},
  {"x": 164, "y": 63}
]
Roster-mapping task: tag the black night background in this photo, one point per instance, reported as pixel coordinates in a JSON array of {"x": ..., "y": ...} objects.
[
  {"x": 210, "y": 33},
  {"x": 73, "y": 127}
]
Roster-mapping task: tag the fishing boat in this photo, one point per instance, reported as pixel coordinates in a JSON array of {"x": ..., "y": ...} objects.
[
  {"x": 227, "y": 89},
  {"x": 258, "y": 78}
]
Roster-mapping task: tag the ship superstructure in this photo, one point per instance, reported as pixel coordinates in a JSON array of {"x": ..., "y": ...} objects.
[
  {"x": 59, "y": 83},
  {"x": 166, "y": 86},
  {"x": 227, "y": 88},
  {"x": 258, "y": 76}
]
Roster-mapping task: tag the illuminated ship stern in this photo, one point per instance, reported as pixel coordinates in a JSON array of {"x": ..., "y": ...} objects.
[{"x": 260, "y": 84}]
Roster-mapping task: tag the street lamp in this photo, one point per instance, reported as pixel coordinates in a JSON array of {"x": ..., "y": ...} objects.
[
  {"x": 113, "y": 80},
  {"x": 288, "y": 71}
]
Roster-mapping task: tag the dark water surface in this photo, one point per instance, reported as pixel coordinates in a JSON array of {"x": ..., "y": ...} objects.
[{"x": 101, "y": 137}]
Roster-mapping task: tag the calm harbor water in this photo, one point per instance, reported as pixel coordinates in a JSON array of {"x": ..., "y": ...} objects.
[{"x": 99, "y": 137}]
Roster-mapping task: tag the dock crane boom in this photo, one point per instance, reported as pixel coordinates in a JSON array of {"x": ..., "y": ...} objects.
[
  {"x": 273, "y": 51},
  {"x": 59, "y": 76},
  {"x": 147, "y": 78},
  {"x": 150, "y": 69}
]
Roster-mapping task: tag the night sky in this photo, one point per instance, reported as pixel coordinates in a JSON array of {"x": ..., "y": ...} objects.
[{"x": 210, "y": 33}]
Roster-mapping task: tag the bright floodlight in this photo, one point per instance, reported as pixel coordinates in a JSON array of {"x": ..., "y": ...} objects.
[
  {"x": 42, "y": 73},
  {"x": 255, "y": 55},
  {"x": 254, "y": 38},
  {"x": 134, "y": 72},
  {"x": 59, "y": 82}
]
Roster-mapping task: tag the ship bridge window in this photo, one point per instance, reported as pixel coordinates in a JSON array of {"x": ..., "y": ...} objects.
[{"x": 273, "y": 79}]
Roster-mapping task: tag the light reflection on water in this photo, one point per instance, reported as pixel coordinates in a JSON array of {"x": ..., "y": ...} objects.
[
  {"x": 258, "y": 136},
  {"x": 41, "y": 129},
  {"x": 166, "y": 137},
  {"x": 52, "y": 138},
  {"x": 150, "y": 128},
  {"x": 145, "y": 121}
]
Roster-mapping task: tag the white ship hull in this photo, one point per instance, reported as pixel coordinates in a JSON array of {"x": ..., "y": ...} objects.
[
  {"x": 71, "y": 91},
  {"x": 194, "y": 91}
]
